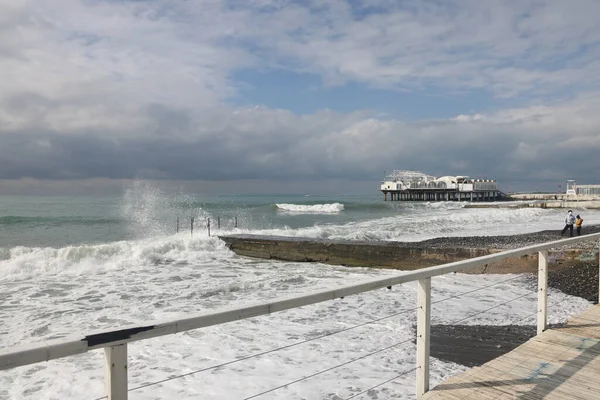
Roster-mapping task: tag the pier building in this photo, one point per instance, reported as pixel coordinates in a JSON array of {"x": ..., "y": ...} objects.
[
  {"x": 572, "y": 188},
  {"x": 404, "y": 185},
  {"x": 588, "y": 190}
]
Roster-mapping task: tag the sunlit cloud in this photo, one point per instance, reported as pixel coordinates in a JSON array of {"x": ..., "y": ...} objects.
[{"x": 119, "y": 89}]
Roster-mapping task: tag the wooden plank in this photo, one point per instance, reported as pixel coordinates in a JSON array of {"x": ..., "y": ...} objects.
[
  {"x": 557, "y": 364},
  {"x": 582, "y": 328}
]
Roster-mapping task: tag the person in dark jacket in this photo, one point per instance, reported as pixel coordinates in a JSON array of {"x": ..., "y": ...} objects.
[{"x": 569, "y": 221}]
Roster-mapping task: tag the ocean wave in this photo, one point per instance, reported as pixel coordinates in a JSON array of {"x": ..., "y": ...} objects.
[
  {"x": 13, "y": 220},
  {"x": 312, "y": 208},
  {"x": 24, "y": 262}
]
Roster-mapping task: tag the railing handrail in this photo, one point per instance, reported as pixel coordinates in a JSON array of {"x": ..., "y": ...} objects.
[{"x": 77, "y": 344}]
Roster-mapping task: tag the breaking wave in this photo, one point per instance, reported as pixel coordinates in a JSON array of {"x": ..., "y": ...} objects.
[
  {"x": 312, "y": 209},
  {"x": 27, "y": 262}
]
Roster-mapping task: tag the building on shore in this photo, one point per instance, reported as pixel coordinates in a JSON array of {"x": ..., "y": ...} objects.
[
  {"x": 581, "y": 192},
  {"x": 404, "y": 185}
]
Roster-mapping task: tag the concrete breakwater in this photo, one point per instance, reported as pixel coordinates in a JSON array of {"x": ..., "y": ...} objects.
[
  {"x": 403, "y": 255},
  {"x": 583, "y": 204},
  {"x": 544, "y": 200},
  {"x": 554, "y": 196}
]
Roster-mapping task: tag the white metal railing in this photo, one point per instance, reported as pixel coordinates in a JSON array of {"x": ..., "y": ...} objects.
[{"x": 115, "y": 342}]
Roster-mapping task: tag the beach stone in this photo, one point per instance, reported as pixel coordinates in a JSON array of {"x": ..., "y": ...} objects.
[{"x": 580, "y": 280}]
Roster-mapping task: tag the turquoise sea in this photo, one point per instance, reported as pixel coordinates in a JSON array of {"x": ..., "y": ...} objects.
[{"x": 73, "y": 265}]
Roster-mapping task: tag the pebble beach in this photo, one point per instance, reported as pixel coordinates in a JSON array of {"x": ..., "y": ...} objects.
[
  {"x": 474, "y": 345},
  {"x": 579, "y": 280},
  {"x": 512, "y": 241}
]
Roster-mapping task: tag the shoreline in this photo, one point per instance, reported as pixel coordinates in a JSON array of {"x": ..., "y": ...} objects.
[{"x": 508, "y": 242}]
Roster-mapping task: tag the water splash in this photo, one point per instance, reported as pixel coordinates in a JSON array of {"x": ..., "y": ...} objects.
[{"x": 150, "y": 212}]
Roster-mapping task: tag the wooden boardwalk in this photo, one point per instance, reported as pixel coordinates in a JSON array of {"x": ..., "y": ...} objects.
[{"x": 561, "y": 363}]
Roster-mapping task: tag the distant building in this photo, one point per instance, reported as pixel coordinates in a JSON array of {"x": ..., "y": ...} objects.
[
  {"x": 404, "y": 185},
  {"x": 588, "y": 190},
  {"x": 572, "y": 188}
]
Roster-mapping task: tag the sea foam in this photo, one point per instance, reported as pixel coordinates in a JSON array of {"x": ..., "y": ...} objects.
[
  {"x": 312, "y": 209},
  {"x": 48, "y": 293}
]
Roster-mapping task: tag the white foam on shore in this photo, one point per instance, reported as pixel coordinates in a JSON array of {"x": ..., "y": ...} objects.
[
  {"x": 47, "y": 293},
  {"x": 192, "y": 276}
]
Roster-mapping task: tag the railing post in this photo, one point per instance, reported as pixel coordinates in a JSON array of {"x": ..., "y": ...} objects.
[
  {"x": 542, "y": 314},
  {"x": 423, "y": 329},
  {"x": 115, "y": 372}
]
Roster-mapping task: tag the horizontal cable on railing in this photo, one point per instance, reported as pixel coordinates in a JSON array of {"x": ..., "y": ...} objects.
[
  {"x": 464, "y": 319},
  {"x": 329, "y": 369},
  {"x": 307, "y": 340},
  {"x": 267, "y": 351},
  {"x": 491, "y": 308},
  {"x": 476, "y": 290},
  {"x": 591, "y": 298},
  {"x": 439, "y": 301},
  {"x": 382, "y": 383}
]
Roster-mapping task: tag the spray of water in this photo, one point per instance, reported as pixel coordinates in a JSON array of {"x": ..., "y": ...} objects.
[{"x": 150, "y": 212}]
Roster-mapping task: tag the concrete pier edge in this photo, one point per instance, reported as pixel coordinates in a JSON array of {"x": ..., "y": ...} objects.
[{"x": 405, "y": 257}]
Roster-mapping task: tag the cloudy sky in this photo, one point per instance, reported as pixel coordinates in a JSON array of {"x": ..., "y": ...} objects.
[{"x": 294, "y": 95}]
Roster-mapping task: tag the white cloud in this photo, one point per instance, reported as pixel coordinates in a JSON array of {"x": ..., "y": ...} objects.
[
  {"x": 508, "y": 47},
  {"x": 468, "y": 118},
  {"x": 113, "y": 54},
  {"x": 116, "y": 88},
  {"x": 184, "y": 53}
]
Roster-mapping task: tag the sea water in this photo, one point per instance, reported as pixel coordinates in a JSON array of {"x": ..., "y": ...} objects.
[{"x": 78, "y": 264}]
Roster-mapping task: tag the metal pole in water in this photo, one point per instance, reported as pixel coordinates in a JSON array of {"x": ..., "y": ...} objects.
[
  {"x": 177, "y": 229},
  {"x": 192, "y": 226},
  {"x": 219, "y": 222},
  {"x": 236, "y": 222},
  {"x": 208, "y": 225}
]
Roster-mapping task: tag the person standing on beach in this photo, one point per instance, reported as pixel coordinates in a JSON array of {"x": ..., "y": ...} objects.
[
  {"x": 578, "y": 223},
  {"x": 569, "y": 221}
]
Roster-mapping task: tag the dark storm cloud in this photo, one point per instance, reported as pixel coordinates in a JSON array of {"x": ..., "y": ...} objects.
[{"x": 266, "y": 144}]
